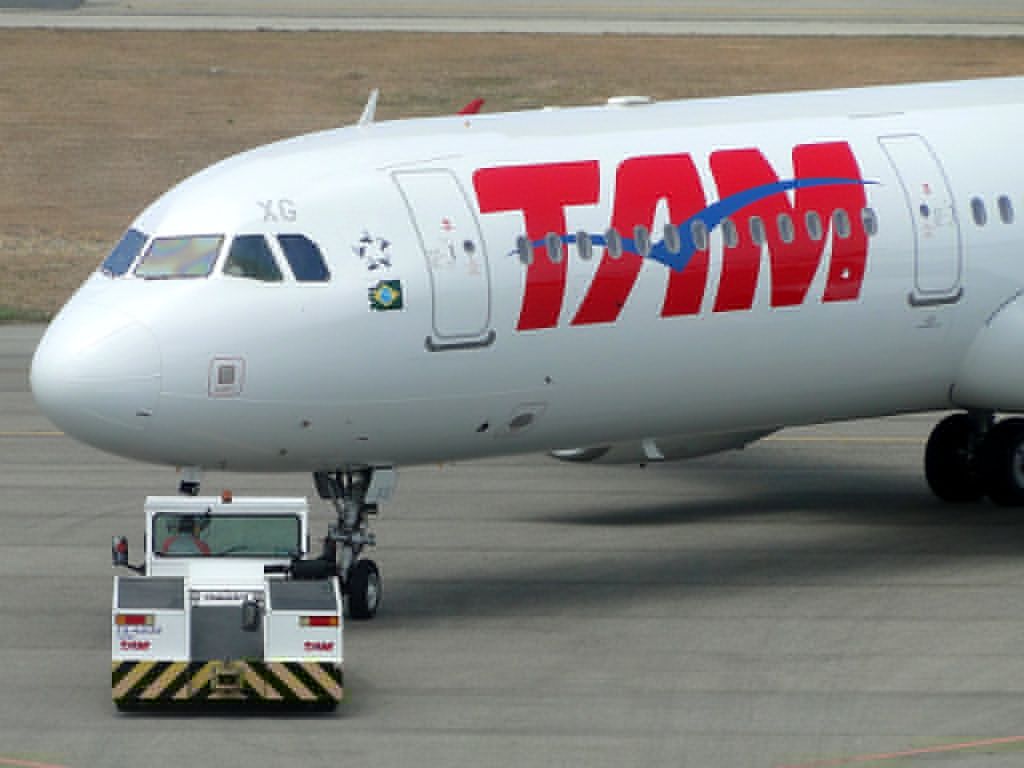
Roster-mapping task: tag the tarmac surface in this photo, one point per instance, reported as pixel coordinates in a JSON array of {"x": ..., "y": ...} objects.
[
  {"x": 998, "y": 18},
  {"x": 801, "y": 603}
]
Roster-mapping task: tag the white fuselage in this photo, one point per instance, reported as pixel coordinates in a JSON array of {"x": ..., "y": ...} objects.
[{"x": 450, "y": 328}]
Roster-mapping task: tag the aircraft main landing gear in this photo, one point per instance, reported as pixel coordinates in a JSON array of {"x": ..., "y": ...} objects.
[
  {"x": 969, "y": 456},
  {"x": 355, "y": 496},
  {"x": 951, "y": 457},
  {"x": 1002, "y": 463}
]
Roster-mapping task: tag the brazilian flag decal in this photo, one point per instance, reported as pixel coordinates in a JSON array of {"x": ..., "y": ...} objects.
[{"x": 386, "y": 294}]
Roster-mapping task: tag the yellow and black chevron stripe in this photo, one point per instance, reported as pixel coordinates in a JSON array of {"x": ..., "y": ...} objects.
[{"x": 298, "y": 682}]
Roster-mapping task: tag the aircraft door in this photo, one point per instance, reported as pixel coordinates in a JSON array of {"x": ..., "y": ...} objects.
[
  {"x": 937, "y": 247},
  {"x": 456, "y": 258}
]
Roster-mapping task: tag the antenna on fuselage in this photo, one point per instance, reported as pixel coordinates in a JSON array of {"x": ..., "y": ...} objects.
[{"x": 370, "y": 110}]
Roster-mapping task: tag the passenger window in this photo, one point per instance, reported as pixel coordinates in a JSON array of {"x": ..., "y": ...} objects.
[
  {"x": 584, "y": 245},
  {"x": 841, "y": 222},
  {"x": 672, "y": 241},
  {"x": 250, "y": 257},
  {"x": 175, "y": 257},
  {"x": 978, "y": 211},
  {"x": 305, "y": 258},
  {"x": 730, "y": 235},
  {"x": 787, "y": 232},
  {"x": 554, "y": 244},
  {"x": 757, "y": 231},
  {"x": 614, "y": 243},
  {"x": 525, "y": 249},
  {"x": 869, "y": 219},
  {"x": 1005, "y": 209},
  {"x": 642, "y": 240},
  {"x": 124, "y": 254},
  {"x": 699, "y": 233},
  {"x": 814, "y": 228}
]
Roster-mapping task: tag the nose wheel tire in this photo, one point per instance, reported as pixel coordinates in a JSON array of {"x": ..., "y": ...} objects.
[
  {"x": 363, "y": 588},
  {"x": 948, "y": 465},
  {"x": 1002, "y": 463}
]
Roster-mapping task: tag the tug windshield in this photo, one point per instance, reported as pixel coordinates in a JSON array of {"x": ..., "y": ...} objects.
[{"x": 191, "y": 535}]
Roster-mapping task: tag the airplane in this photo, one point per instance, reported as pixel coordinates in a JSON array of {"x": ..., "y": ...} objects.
[{"x": 630, "y": 282}]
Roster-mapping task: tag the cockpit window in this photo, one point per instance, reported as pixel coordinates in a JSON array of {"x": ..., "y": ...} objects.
[
  {"x": 250, "y": 257},
  {"x": 305, "y": 258},
  {"x": 172, "y": 257},
  {"x": 124, "y": 254}
]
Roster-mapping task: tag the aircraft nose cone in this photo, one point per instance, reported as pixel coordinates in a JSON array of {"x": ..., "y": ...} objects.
[{"x": 96, "y": 374}]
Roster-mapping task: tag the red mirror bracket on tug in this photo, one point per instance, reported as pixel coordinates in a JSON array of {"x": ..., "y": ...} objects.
[{"x": 119, "y": 555}]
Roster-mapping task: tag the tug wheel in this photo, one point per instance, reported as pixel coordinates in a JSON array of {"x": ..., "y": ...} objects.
[{"x": 364, "y": 590}]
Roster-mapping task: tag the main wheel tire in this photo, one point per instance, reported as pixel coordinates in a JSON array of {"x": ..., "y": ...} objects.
[
  {"x": 364, "y": 590},
  {"x": 948, "y": 468},
  {"x": 1002, "y": 463}
]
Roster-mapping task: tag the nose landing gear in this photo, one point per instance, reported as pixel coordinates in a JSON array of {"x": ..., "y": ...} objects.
[{"x": 355, "y": 496}]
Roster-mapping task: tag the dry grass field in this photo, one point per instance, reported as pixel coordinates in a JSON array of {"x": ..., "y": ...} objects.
[{"x": 93, "y": 125}]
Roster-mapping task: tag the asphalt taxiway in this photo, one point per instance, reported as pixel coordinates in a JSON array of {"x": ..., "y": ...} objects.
[
  {"x": 802, "y": 601},
  {"x": 999, "y": 18}
]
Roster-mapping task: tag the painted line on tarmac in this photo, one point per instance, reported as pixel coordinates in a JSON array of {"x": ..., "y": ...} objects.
[
  {"x": 936, "y": 750},
  {"x": 843, "y": 439},
  {"x": 7, "y": 761},
  {"x": 41, "y": 433}
]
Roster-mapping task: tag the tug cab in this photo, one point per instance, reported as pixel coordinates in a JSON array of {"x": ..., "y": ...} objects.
[{"x": 226, "y": 607}]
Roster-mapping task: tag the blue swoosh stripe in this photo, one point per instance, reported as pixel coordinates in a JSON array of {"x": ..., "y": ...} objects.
[{"x": 712, "y": 216}]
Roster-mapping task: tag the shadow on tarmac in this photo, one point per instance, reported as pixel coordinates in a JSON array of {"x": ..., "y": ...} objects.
[{"x": 812, "y": 533}]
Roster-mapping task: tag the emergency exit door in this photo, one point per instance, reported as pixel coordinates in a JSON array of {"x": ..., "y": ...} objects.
[
  {"x": 933, "y": 213},
  {"x": 456, "y": 258}
]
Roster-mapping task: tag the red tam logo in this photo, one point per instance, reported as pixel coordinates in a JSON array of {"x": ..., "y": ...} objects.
[
  {"x": 794, "y": 219},
  {"x": 313, "y": 646}
]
